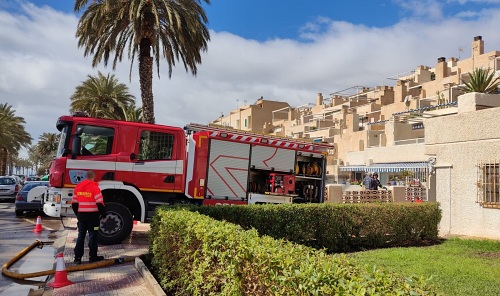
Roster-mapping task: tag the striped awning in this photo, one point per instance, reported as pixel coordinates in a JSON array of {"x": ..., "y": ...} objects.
[
  {"x": 353, "y": 168},
  {"x": 388, "y": 167}
]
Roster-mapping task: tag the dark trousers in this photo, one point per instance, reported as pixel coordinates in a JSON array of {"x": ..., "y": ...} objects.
[{"x": 92, "y": 227}]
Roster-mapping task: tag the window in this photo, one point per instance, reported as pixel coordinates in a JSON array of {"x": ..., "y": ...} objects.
[
  {"x": 155, "y": 146},
  {"x": 96, "y": 140},
  {"x": 62, "y": 141},
  {"x": 7, "y": 181},
  {"x": 488, "y": 184},
  {"x": 245, "y": 122}
]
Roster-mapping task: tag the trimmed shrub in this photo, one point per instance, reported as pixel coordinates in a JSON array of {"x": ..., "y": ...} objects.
[
  {"x": 337, "y": 227},
  {"x": 197, "y": 255}
]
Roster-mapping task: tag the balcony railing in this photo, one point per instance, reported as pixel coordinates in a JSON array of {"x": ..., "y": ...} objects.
[
  {"x": 364, "y": 196},
  {"x": 409, "y": 141}
]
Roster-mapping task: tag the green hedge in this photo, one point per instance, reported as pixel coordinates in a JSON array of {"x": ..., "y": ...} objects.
[
  {"x": 193, "y": 254},
  {"x": 337, "y": 227}
]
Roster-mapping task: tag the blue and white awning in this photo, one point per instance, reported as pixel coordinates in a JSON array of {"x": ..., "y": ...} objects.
[
  {"x": 388, "y": 167},
  {"x": 353, "y": 168}
]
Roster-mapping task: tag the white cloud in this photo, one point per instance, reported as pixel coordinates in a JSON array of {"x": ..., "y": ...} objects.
[
  {"x": 423, "y": 9},
  {"x": 474, "y": 1},
  {"x": 40, "y": 64}
]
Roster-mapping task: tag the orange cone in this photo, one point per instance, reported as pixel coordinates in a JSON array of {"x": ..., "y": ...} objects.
[
  {"x": 38, "y": 226},
  {"x": 61, "y": 278}
]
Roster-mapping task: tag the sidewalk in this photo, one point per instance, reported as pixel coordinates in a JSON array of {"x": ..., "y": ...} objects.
[{"x": 121, "y": 279}]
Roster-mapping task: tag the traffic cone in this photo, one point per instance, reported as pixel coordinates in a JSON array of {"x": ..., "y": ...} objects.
[
  {"x": 61, "y": 278},
  {"x": 38, "y": 226}
]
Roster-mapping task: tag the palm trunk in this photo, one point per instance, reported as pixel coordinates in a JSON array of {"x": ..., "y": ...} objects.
[
  {"x": 11, "y": 165},
  {"x": 3, "y": 169},
  {"x": 146, "y": 81}
]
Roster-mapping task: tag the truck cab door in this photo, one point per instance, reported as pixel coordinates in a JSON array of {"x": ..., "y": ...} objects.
[
  {"x": 93, "y": 149},
  {"x": 157, "y": 166}
]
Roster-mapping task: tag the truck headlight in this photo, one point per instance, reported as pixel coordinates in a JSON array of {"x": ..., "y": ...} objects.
[{"x": 55, "y": 198}]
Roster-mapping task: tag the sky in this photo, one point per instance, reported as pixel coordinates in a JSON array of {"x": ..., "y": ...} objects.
[{"x": 279, "y": 50}]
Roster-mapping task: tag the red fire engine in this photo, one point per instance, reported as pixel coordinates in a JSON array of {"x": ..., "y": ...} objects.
[{"x": 140, "y": 166}]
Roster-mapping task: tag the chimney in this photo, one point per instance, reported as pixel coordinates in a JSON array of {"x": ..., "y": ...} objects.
[
  {"x": 441, "y": 68},
  {"x": 319, "y": 99},
  {"x": 477, "y": 46}
]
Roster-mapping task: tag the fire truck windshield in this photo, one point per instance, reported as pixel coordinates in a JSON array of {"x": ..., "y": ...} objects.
[{"x": 62, "y": 142}]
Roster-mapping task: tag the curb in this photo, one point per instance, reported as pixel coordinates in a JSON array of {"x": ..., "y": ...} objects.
[{"x": 149, "y": 279}]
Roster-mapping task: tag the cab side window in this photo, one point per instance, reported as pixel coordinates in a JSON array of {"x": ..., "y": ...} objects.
[
  {"x": 155, "y": 146},
  {"x": 96, "y": 140}
]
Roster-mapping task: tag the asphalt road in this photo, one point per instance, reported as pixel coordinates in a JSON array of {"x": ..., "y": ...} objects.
[{"x": 16, "y": 233}]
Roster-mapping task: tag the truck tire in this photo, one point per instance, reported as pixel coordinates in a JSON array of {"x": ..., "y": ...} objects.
[{"x": 118, "y": 226}]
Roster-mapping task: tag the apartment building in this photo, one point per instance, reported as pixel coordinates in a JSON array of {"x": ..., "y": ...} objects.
[
  {"x": 257, "y": 117},
  {"x": 421, "y": 133}
]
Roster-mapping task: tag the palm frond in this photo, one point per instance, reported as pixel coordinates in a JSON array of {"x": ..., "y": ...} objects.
[
  {"x": 482, "y": 81},
  {"x": 150, "y": 30}
]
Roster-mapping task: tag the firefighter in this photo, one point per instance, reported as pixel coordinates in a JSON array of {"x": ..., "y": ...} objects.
[{"x": 88, "y": 205}]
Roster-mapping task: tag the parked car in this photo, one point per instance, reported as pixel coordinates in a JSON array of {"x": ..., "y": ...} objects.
[
  {"x": 9, "y": 186},
  {"x": 33, "y": 178},
  {"x": 22, "y": 203},
  {"x": 21, "y": 178}
]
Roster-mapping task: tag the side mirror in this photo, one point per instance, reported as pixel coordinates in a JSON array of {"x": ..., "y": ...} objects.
[
  {"x": 76, "y": 146},
  {"x": 79, "y": 131}
]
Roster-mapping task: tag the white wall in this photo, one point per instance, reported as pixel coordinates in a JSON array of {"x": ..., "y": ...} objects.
[{"x": 462, "y": 140}]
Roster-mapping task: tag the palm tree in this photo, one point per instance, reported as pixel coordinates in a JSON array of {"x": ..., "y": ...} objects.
[
  {"x": 134, "y": 114},
  {"x": 47, "y": 143},
  {"x": 23, "y": 165},
  {"x": 34, "y": 157},
  {"x": 131, "y": 113},
  {"x": 482, "y": 81},
  {"x": 102, "y": 95},
  {"x": 13, "y": 136},
  {"x": 172, "y": 29},
  {"x": 44, "y": 151}
]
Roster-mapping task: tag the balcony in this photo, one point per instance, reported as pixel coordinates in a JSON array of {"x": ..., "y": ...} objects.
[{"x": 409, "y": 141}]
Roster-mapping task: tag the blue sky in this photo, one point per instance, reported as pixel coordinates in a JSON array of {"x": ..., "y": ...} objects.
[
  {"x": 265, "y": 19},
  {"x": 268, "y": 19},
  {"x": 280, "y": 50}
]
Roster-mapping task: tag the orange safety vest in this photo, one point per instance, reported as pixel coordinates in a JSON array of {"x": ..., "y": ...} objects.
[{"x": 87, "y": 194}]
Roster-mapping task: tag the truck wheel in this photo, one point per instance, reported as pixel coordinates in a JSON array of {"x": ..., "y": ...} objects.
[{"x": 118, "y": 226}]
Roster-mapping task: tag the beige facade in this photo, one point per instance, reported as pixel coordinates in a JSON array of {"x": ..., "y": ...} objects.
[
  {"x": 399, "y": 130},
  {"x": 257, "y": 117}
]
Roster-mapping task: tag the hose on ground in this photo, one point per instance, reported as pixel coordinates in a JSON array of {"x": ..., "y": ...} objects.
[{"x": 99, "y": 264}]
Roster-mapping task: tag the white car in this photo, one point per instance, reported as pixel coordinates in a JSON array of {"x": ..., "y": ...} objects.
[
  {"x": 19, "y": 179},
  {"x": 9, "y": 186}
]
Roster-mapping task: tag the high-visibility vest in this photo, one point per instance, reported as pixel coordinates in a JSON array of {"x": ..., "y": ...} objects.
[{"x": 87, "y": 194}]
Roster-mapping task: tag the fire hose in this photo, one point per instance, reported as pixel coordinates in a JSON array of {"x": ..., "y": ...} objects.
[{"x": 38, "y": 243}]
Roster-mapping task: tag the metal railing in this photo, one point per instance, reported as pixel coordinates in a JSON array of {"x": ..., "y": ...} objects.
[
  {"x": 409, "y": 141},
  {"x": 488, "y": 184},
  {"x": 367, "y": 196}
]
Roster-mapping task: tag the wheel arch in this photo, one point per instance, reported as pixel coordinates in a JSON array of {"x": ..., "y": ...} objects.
[{"x": 127, "y": 195}]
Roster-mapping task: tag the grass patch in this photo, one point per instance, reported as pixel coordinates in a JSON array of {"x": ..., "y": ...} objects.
[{"x": 457, "y": 266}]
